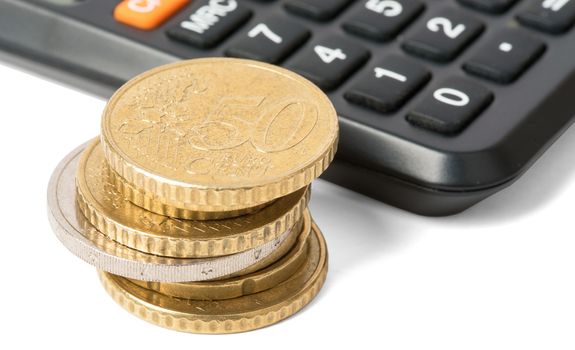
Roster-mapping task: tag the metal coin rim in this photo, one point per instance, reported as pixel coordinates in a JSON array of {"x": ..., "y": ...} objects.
[
  {"x": 184, "y": 247},
  {"x": 192, "y": 212},
  {"x": 108, "y": 255},
  {"x": 261, "y": 316},
  {"x": 252, "y": 283}
]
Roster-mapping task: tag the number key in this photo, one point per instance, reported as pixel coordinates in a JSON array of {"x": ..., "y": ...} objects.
[
  {"x": 451, "y": 107},
  {"x": 387, "y": 86},
  {"x": 330, "y": 61},
  {"x": 382, "y": 20},
  {"x": 270, "y": 41},
  {"x": 444, "y": 36}
]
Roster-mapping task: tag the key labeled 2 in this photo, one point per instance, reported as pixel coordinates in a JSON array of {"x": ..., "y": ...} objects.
[{"x": 444, "y": 36}]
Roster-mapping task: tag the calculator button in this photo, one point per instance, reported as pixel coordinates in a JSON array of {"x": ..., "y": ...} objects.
[
  {"x": 444, "y": 36},
  {"x": 552, "y": 16},
  {"x": 451, "y": 106},
  {"x": 146, "y": 14},
  {"x": 490, "y": 6},
  {"x": 504, "y": 58},
  {"x": 388, "y": 85},
  {"x": 270, "y": 41},
  {"x": 330, "y": 61},
  {"x": 320, "y": 10},
  {"x": 382, "y": 20},
  {"x": 210, "y": 22}
]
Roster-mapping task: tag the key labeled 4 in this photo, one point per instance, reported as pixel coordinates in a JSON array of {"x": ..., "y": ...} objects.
[{"x": 147, "y": 14}]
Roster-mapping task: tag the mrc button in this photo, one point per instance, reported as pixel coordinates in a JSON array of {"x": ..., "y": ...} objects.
[
  {"x": 146, "y": 14},
  {"x": 210, "y": 22}
]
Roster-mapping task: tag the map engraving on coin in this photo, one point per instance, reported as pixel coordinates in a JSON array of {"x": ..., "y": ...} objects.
[{"x": 233, "y": 121}]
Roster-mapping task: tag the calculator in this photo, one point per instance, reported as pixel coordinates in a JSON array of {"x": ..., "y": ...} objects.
[{"x": 441, "y": 102}]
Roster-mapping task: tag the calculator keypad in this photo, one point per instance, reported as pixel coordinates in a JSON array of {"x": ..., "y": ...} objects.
[{"x": 427, "y": 36}]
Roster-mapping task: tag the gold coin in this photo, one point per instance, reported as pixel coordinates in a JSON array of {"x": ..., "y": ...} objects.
[
  {"x": 219, "y": 132},
  {"x": 280, "y": 250},
  {"x": 153, "y": 204},
  {"x": 145, "y": 231},
  {"x": 226, "y": 316},
  {"x": 118, "y": 259},
  {"x": 256, "y": 282}
]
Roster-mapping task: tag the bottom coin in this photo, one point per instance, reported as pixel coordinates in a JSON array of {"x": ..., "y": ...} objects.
[{"x": 240, "y": 314}]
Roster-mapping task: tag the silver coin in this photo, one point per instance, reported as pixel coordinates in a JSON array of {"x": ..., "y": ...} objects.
[{"x": 90, "y": 245}]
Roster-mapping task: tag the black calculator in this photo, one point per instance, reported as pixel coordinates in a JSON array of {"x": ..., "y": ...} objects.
[{"x": 442, "y": 102}]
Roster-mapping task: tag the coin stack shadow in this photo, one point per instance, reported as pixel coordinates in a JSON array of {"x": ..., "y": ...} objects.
[{"x": 194, "y": 257}]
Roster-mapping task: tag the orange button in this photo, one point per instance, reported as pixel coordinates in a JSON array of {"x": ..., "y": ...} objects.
[{"x": 146, "y": 14}]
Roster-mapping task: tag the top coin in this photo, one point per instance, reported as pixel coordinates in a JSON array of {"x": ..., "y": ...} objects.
[{"x": 219, "y": 132}]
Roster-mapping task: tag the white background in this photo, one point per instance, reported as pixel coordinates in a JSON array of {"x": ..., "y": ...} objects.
[{"x": 499, "y": 276}]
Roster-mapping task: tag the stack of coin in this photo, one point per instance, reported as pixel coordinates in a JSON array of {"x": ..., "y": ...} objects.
[{"x": 193, "y": 201}]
